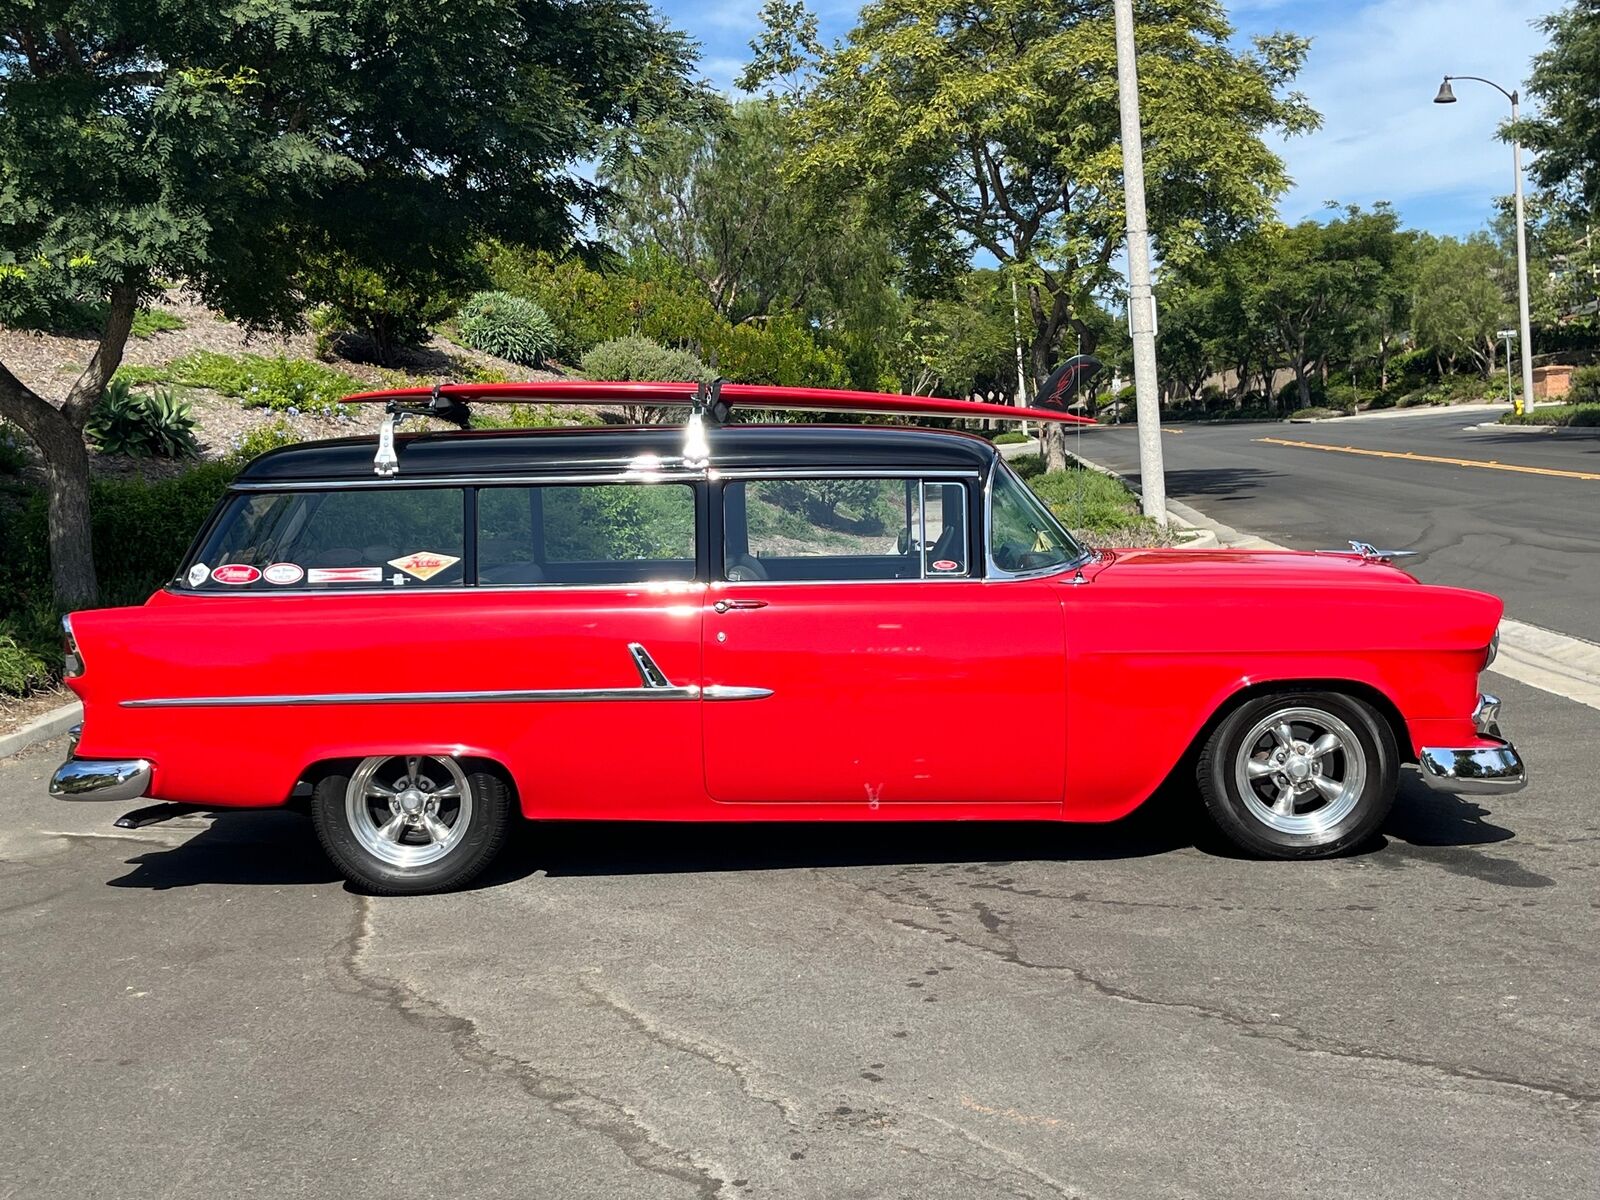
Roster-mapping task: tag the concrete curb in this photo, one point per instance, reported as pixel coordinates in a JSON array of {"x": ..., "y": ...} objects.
[
  {"x": 1568, "y": 430},
  {"x": 42, "y": 729}
]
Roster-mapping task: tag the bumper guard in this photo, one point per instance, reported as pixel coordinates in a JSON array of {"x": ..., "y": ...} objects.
[{"x": 1477, "y": 770}]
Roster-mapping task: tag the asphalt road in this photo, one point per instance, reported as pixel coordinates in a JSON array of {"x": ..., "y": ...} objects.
[
  {"x": 1531, "y": 536},
  {"x": 199, "y": 1009}
]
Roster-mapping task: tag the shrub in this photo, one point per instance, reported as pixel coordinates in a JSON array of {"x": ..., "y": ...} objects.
[
  {"x": 1585, "y": 386},
  {"x": 154, "y": 424},
  {"x": 507, "y": 326},
  {"x": 636, "y": 358},
  {"x": 395, "y": 308},
  {"x": 1556, "y": 414},
  {"x": 1011, "y": 437},
  {"x": 21, "y": 670}
]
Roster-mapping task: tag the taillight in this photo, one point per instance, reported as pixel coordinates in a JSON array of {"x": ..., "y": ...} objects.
[{"x": 72, "y": 660}]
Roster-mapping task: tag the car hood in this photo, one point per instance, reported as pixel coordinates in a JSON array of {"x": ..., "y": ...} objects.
[{"x": 1304, "y": 568}]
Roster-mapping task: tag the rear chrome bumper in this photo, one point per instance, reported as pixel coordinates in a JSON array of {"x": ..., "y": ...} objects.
[
  {"x": 101, "y": 779},
  {"x": 1476, "y": 770}
]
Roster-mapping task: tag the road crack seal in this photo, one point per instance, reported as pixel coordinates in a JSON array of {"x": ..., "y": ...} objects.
[
  {"x": 1292, "y": 1037},
  {"x": 597, "y": 1114}
]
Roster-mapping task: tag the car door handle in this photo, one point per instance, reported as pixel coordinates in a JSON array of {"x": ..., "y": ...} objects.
[{"x": 723, "y": 606}]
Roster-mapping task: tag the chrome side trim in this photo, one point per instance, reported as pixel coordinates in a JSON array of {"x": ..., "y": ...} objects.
[
  {"x": 1475, "y": 771},
  {"x": 101, "y": 779},
  {"x": 533, "y": 696},
  {"x": 650, "y": 675},
  {"x": 728, "y": 691}
]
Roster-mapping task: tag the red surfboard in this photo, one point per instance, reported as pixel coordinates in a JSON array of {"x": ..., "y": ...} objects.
[{"x": 736, "y": 395}]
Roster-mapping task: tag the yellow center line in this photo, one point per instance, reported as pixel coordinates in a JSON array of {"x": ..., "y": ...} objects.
[
  {"x": 1164, "y": 429},
  {"x": 1489, "y": 465}
]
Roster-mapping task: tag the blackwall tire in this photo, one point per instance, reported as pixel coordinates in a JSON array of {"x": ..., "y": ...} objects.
[
  {"x": 411, "y": 824},
  {"x": 1300, "y": 774}
]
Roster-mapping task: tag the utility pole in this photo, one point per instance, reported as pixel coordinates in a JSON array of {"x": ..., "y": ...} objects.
[{"x": 1141, "y": 300}]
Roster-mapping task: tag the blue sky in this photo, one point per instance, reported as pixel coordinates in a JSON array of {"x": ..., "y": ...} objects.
[{"x": 1373, "y": 71}]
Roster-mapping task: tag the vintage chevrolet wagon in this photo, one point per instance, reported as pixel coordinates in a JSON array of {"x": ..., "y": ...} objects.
[{"x": 745, "y": 622}]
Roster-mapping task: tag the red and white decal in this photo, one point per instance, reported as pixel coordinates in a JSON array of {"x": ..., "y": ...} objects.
[
  {"x": 424, "y": 564},
  {"x": 235, "y": 573},
  {"x": 945, "y": 564},
  {"x": 345, "y": 575},
  {"x": 283, "y": 574}
]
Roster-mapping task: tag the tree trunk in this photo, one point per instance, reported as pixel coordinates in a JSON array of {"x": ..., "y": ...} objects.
[
  {"x": 58, "y": 433},
  {"x": 1302, "y": 384}
]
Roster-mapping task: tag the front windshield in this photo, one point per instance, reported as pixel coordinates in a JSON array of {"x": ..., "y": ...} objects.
[{"x": 1023, "y": 535}]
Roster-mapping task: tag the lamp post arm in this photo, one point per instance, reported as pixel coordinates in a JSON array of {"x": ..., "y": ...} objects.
[{"x": 1511, "y": 96}]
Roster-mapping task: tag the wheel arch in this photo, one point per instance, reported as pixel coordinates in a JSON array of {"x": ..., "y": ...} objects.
[
  {"x": 319, "y": 769},
  {"x": 1380, "y": 701}
]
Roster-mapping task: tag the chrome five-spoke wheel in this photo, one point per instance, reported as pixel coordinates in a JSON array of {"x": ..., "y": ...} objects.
[
  {"x": 409, "y": 811},
  {"x": 1301, "y": 770},
  {"x": 407, "y": 823},
  {"x": 1300, "y": 775}
]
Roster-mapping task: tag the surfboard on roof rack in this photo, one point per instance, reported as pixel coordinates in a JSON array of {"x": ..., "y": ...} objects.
[{"x": 707, "y": 403}]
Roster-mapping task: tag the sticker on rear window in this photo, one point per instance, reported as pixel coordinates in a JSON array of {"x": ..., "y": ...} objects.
[
  {"x": 424, "y": 564},
  {"x": 283, "y": 574},
  {"x": 198, "y": 574},
  {"x": 235, "y": 573},
  {"x": 345, "y": 575},
  {"x": 945, "y": 564}
]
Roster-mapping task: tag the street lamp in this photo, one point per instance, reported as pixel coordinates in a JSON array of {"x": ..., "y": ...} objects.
[{"x": 1447, "y": 96}]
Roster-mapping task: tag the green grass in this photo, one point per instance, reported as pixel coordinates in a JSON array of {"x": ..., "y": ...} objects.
[{"x": 1556, "y": 414}]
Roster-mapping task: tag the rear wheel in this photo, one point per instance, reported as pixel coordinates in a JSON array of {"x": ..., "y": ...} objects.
[
  {"x": 404, "y": 824},
  {"x": 1300, "y": 775}
]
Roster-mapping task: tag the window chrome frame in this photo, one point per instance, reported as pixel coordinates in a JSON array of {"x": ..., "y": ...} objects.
[
  {"x": 994, "y": 570},
  {"x": 923, "y": 478}
]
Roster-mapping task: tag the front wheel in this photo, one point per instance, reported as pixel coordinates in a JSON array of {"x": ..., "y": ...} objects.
[
  {"x": 1300, "y": 775},
  {"x": 407, "y": 824}
]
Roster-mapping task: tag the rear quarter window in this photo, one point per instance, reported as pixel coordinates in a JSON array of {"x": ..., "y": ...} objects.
[{"x": 333, "y": 541}]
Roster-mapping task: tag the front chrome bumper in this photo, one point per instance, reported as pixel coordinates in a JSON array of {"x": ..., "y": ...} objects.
[
  {"x": 1478, "y": 770},
  {"x": 101, "y": 779}
]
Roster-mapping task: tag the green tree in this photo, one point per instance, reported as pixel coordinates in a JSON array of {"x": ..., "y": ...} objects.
[
  {"x": 225, "y": 144},
  {"x": 1316, "y": 286},
  {"x": 1462, "y": 299},
  {"x": 1566, "y": 129},
  {"x": 993, "y": 126}
]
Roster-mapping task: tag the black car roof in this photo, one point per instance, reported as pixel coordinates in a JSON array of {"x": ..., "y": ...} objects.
[{"x": 608, "y": 449}]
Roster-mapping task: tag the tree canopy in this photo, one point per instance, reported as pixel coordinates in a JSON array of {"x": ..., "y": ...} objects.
[
  {"x": 993, "y": 127},
  {"x": 235, "y": 145}
]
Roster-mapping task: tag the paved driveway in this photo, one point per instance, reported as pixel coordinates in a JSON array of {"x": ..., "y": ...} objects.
[{"x": 201, "y": 1010}]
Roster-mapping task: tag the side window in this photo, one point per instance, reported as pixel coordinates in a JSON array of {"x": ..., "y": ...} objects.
[
  {"x": 586, "y": 533},
  {"x": 844, "y": 529},
  {"x": 333, "y": 540}
]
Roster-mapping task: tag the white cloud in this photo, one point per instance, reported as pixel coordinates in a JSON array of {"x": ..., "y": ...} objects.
[{"x": 1373, "y": 75}]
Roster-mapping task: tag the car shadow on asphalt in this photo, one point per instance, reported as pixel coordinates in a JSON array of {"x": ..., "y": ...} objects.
[{"x": 279, "y": 849}]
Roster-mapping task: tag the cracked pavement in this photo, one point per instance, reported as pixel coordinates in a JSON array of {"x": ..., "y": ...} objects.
[{"x": 201, "y": 1008}]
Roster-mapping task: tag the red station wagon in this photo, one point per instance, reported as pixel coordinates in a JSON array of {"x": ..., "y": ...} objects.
[{"x": 416, "y": 639}]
